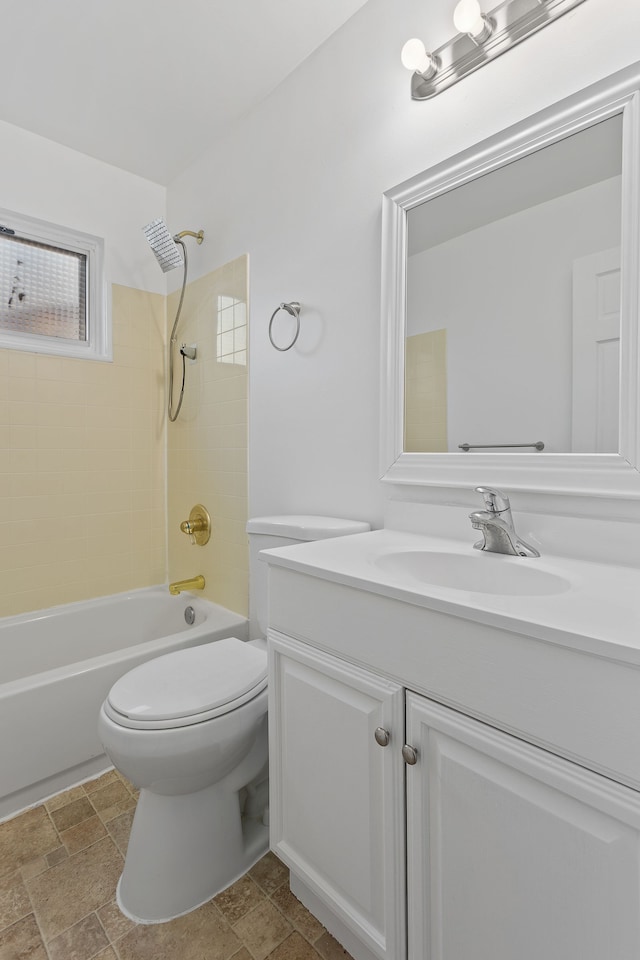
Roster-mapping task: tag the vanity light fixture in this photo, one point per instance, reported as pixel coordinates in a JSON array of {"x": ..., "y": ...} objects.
[
  {"x": 415, "y": 58},
  {"x": 481, "y": 37},
  {"x": 468, "y": 18}
]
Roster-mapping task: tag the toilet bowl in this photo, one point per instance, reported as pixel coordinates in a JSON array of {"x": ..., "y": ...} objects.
[{"x": 190, "y": 730}]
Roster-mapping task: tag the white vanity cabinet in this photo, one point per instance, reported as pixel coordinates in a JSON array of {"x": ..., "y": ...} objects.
[
  {"x": 337, "y": 794},
  {"x": 495, "y": 844},
  {"x": 513, "y": 853}
]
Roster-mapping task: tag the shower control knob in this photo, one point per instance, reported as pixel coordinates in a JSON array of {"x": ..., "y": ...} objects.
[
  {"x": 382, "y": 736},
  {"x": 198, "y": 526}
]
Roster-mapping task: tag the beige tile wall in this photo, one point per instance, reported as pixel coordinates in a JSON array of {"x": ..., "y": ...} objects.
[
  {"x": 207, "y": 445},
  {"x": 82, "y": 489},
  {"x": 425, "y": 410}
]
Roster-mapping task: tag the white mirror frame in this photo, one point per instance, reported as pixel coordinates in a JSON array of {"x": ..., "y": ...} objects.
[{"x": 599, "y": 475}]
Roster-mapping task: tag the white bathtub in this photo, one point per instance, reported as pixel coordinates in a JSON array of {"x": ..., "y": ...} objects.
[{"x": 56, "y": 668}]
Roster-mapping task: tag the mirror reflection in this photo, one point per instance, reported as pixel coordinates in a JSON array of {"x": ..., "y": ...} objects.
[{"x": 513, "y": 305}]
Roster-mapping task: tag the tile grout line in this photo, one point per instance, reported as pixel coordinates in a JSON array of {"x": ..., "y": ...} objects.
[
  {"x": 37, "y": 922},
  {"x": 114, "y": 946},
  {"x": 40, "y": 930},
  {"x": 292, "y": 928},
  {"x": 295, "y": 928},
  {"x": 98, "y": 952}
]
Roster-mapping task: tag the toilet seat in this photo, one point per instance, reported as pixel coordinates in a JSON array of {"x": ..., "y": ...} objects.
[{"x": 188, "y": 686}]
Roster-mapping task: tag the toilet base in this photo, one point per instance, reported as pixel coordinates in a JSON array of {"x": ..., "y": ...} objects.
[{"x": 185, "y": 849}]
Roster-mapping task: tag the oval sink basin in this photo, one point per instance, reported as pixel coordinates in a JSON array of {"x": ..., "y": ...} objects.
[{"x": 479, "y": 572}]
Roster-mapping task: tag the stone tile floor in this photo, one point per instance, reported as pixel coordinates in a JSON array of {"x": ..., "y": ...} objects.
[{"x": 59, "y": 866}]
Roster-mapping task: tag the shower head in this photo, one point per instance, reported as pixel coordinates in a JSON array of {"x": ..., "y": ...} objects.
[
  {"x": 164, "y": 246},
  {"x": 166, "y": 250}
]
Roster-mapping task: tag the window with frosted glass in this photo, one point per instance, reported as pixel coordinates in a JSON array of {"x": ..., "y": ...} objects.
[
  {"x": 54, "y": 296},
  {"x": 43, "y": 289}
]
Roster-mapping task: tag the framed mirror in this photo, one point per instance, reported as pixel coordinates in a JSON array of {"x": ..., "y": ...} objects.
[{"x": 510, "y": 306}]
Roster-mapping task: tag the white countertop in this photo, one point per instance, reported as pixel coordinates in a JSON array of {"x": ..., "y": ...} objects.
[{"x": 596, "y": 609}]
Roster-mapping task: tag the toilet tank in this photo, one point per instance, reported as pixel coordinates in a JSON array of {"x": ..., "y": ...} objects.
[{"x": 281, "y": 531}]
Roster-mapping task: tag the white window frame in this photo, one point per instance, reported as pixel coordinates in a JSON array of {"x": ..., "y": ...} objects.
[{"x": 98, "y": 345}]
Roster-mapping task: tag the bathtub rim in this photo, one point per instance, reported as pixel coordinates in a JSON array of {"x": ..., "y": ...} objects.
[{"x": 230, "y": 621}]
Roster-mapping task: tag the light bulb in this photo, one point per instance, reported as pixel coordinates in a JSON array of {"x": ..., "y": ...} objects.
[
  {"x": 467, "y": 18},
  {"x": 415, "y": 58}
]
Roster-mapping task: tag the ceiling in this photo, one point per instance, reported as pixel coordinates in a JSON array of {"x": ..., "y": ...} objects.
[{"x": 147, "y": 85}]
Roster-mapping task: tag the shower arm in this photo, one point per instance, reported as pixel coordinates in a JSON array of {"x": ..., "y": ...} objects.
[{"x": 199, "y": 236}]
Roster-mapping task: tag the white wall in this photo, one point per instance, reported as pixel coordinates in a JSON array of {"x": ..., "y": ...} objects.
[
  {"x": 40, "y": 178},
  {"x": 504, "y": 294},
  {"x": 298, "y": 186}
]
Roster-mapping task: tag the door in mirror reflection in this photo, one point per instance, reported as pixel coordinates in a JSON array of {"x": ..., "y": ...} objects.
[{"x": 513, "y": 305}]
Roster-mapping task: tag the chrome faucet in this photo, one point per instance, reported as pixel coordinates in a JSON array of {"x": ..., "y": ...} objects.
[{"x": 496, "y": 524}]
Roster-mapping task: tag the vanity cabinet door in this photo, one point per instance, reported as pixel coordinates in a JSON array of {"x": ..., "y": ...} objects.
[
  {"x": 337, "y": 795},
  {"x": 513, "y": 852}
]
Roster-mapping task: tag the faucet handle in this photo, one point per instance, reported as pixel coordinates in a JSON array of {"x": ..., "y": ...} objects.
[
  {"x": 198, "y": 526},
  {"x": 495, "y": 500}
]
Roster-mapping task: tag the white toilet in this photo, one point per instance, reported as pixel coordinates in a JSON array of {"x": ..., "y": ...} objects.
[{"x": 190, "y": 729}]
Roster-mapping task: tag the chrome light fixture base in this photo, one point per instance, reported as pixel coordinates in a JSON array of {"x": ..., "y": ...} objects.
[{"x": 511, "y": 22}]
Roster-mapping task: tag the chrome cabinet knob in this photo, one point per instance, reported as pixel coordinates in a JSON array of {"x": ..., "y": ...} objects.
[
  {"x": 409, "y": 754},
  {"x": 382, "y": 736}
]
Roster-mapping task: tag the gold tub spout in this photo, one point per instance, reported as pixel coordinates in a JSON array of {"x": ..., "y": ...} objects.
[{"x": 196, "y": 583}]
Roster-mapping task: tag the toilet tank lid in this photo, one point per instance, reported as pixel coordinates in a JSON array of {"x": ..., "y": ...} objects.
[{"x": 306, "y": 527}]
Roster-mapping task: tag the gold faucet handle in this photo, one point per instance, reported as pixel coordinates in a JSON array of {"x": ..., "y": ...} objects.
[
  {"x": 187, "y": 526},
  {"x": 198, "y": 526}
]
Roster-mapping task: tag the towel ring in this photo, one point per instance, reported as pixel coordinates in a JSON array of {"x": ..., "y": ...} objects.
[{"x": 293, "y": 309}]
